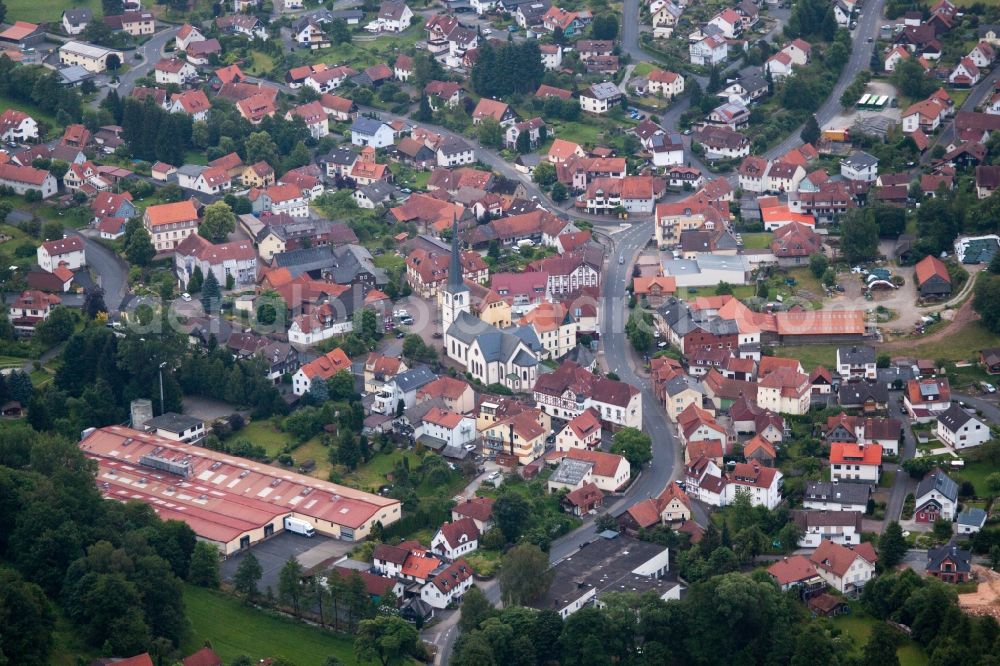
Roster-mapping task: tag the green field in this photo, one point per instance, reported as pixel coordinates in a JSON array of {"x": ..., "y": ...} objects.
[
  {"x": 235, "y": 629},
  {"x": 262, "y": 433},
  {"x": 859, "y": 626},
  {"x": 757, "y": 241},
  {"x": 372, "y": 475},
  {"x": 38, "y": 12}
]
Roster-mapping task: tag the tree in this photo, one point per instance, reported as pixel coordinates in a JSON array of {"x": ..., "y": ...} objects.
[
  {"x": 259, "y": 146},
  {"x": 986, "y": 301},
  {"x": 424, "y": 113},
  {"x": 880, "y": 650},
  {"x": 196, "y": 280},
  {"x": 3, "y": 12},
  {"x": 387, "y": 639},
  {"x": 995, "y": 557},
  {"x": 523, "y": 143},
  {"x": 859, "y": 236},
  {"x": 290, "y": 583},
  {"x": 93, "y": 302},
  {"x": 524, "y": 574},
  {"x": 139, "y": 248},
  {"x": 248, "y": 574},
  {"x": 544, "y": 174},
  {"x": 818, "y": 265},
  {"x": 490, "y": 133},
  {"x": 634, "y": 445},
  {"x": 217, "y": 222},
  {"x": 891, "y": 546},
  {"x": 204, "y": 567},
  {"x": 510, "y": 513},
  {"x": 638, "y": 330},
  {"x": 57, "y": 327},
  {"x": 942, "y": 529},
  {"x": 475, "y": 608},
  {"x": 723, "y": 289},
  {"x": 559, "y": 192},
  {"x": 27, "y": 618},
  {"x": 993, "y": 482},
  {"x": 211, "y": 293}
]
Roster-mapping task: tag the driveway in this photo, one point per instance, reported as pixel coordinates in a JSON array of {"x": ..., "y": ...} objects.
[
  {"x": 273, "y": 553},
  {"x": 112, "y": 271}
]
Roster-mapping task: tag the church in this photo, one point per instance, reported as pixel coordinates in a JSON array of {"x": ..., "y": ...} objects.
[{"x": 508, "y": 356}]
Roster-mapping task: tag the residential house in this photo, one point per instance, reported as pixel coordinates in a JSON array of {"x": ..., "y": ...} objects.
[
  {"x": 957, "y": 428},
  {"x": 68, "y": 252},
  {"x": 709, "y": 51},
  {"x": 479, "y": 509},
  {"x": 174, "y": 70},
  {"x": 191, "y": 102},
  {"x": 236, "y": 260},
  {"x": 314, "y": 116},
  {"x": 581, "y": 432},
  {"x": 393, "y": 16},
  {"x": 370, "y": 132},
  {"x": 853, "y": 462},
  {"x": 454, "y": 151},
  {"x": 834, "y": 496},
  {"x": 320, "y": 370},
  {"x": 17, "y": 127},
  {"x": 859, "y": 166},
  {"x": 75, "y": 21},
  {"x": 600, "y": 98},
  {"x": 966, "y": 74},
  {"x": 571, "y": 390},
  {"x": 926, "y": 398},
  {"x": 846, "y": 569},
  {"x": 187, "y": 35},
  {"x": 949, "y": 563},
  {"x": 576, "y": 467},
  {"x": 840, "y": 527},
  {"x": 441, "y": 428},
  {"x": 456, "y": 538},
  {"x": 936, "y": 497},
  {"x": 667, "y": 84},
  {"x": 169, "y": 224},
  {"x": 29, "y": 309},
  {"x": 970, "y": 521},
  {"x": 856, "y": 362},
  {"x": 502, "y": 113}
]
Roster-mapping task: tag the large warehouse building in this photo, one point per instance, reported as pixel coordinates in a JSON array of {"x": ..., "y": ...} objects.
[{"x": 229, "y": 501}]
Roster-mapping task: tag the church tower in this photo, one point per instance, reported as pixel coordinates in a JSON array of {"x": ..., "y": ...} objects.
[{"x": 453, "y": 298}]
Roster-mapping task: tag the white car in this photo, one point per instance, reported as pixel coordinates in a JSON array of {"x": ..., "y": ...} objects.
[
  {"x": 470, "y": 447},
  {"x": 186, "y": 296},
  {"x": 487, "y": 31}
]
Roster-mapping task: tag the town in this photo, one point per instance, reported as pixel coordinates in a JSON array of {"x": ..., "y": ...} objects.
[{"x": 478, "y": 331}]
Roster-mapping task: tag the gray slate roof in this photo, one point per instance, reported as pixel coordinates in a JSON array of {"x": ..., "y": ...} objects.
[
  {"x": 414, "y": 378},
  {"x": 367, "y": 126},
  {"x": 847, "y": 493},
  {"x": 857, "y": 355},
  {"x": 972, "y": 517},
  {"x": 939, "y": 481},
  {"x": 954, "y": 417},
  {"x": 959, "y": 556},
  {"x": 173, "y": 422}
]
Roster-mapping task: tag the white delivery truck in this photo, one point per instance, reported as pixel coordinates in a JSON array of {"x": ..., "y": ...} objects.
[{"x": 299, "y": 527}]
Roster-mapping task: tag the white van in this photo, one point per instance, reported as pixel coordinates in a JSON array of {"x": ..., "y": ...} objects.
[{"x": 299, "y": 527}]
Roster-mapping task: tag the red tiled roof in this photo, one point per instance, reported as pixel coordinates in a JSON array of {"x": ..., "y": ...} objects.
[
  {"x": 843, "y": 453},
  {"x": 791, "y": 570},
  {"x": 477, "y": 508},
  {"x": 838, "y": 559},
  {"x": 929, "y": 267},
  {"x": 328, "y": 365}
]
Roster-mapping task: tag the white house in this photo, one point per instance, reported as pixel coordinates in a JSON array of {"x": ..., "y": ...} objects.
[
  {"x": 970, "y": 521},
  {"x": 668, "y": 84},
  {"x": 582, "y": 432},
  {"x": 92, "y": 58},
  {"x": 392, "y": 17},
  {"x": 845, "y": 569},
  {"x": 856, "y": 362},
  {"x": 237, "y": 259},
  {"x": 320, "y": 370},
  {"x": 455, "y": 539},
  {"x": 187, "y": 35},
  {"x": 453, "y": 429},
  {"x": 402, "y": 388},
  {"x": 448, "y": 585},
  {"x": 965, "y": 73},
  {"x": 454, "y": 151},
  {"x": 24, "y": 179},
  {"x": 174, "y": 70},
  {"x": 17, "y": 127},
  {"x": 75, "y": 21},
  {"x": 828, "y": 496},
  {"x": 761, "y": 484},
  {"x": 851, "y": 462},
  {"x": 600, "y": 98},
  {"x": 578, "y": 467},
  {"x": 842, "y": 527},
  {"x": 957, "y": 428},
  {"x": 936, "y": 497},
  {"x": 69, "y": 251},
  {"x": 859, "y": 165},
  {"x": 709, "y": 51},
  {"x": 370, "y": 132}
]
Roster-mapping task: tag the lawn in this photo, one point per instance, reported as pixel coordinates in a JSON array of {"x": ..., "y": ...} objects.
[
  {"x": 389, "y": 261},
  {"x": 38, "y": 12},
  {"x": 373, "y": 475},
  {"x": 235, "y": 629},
  {"x": 264, "y": 434},
  {"x": 643, "y": 68},
  {"x": 313, "y": 449},
  {"x": 810, "y": 355},
  {"x": 577, "y": 132},
  {"x": 963, "y": 345},
  {"x": 859, "y": 626},
  {"x": 757, "y": 241},
  {"x": 262, "y": 63},
  {"x": 975, "y": 472}
]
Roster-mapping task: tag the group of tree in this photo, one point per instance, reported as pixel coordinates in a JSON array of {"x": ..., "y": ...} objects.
[
  {"x": 39, "y": 87},
  {"x": 114, "y": 569},
  {"x": 214, "y": 373},
  {"x": 811, "y": 18},
  {"x": 153, "y": 134},
  {"x": 507, "y": 69},
  {"x": 639, "y": 329}
]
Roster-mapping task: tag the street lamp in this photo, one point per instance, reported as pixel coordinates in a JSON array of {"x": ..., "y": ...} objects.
[{"x": 162, "y": 406}]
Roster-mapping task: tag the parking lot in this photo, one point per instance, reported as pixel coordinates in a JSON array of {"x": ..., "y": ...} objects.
[{"x": 273, "y": 553}]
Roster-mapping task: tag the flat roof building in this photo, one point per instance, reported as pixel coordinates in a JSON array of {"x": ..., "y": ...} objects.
[{"x": 229, "y": 501}]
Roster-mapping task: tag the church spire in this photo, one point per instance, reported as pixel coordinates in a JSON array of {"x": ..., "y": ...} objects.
[{"x": 456, "y": 281}]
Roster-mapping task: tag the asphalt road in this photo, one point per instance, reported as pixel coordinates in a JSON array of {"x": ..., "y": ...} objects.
[
  {"x": 112, "y": 271},
  {"x": 976, "y": 97},
  {"x": 152, "y": 52},
  {"x": 902, "y": 483},
  {"x": 861, "y": 54}
]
